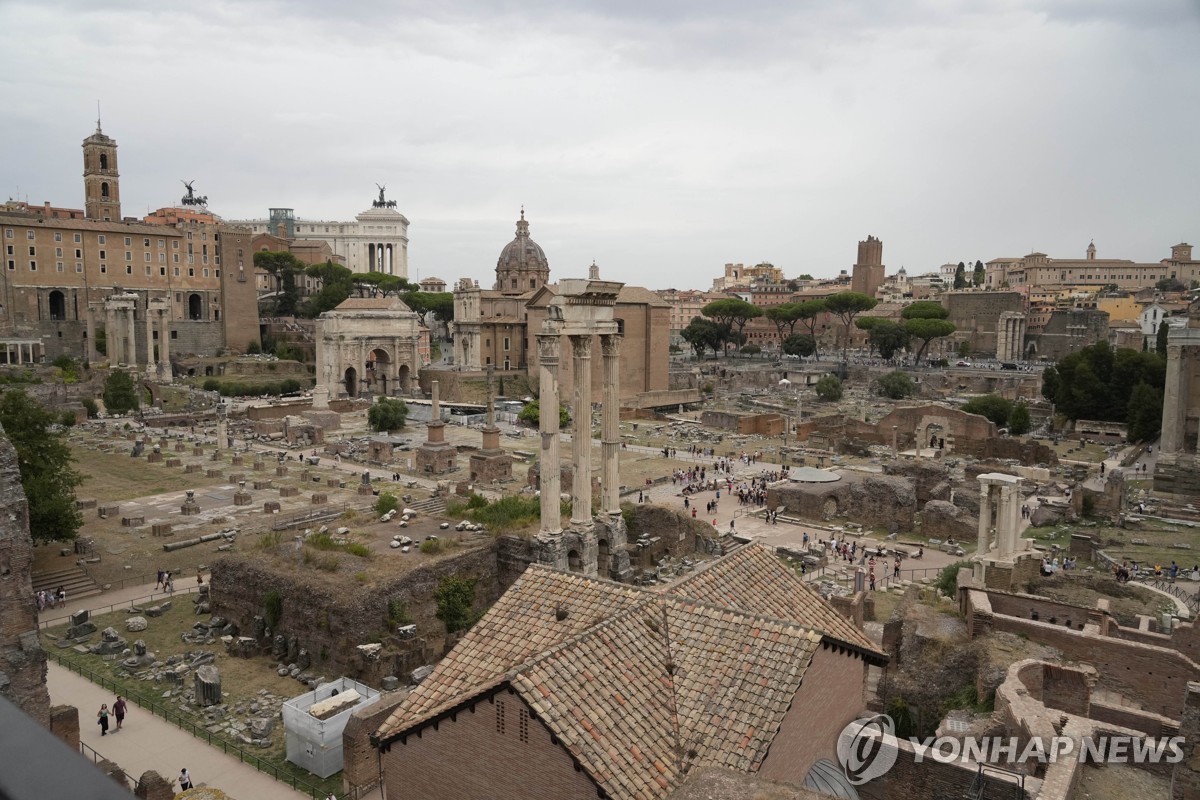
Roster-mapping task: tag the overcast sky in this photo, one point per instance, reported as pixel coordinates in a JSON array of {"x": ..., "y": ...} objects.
[{"x": 661, "y": 138}]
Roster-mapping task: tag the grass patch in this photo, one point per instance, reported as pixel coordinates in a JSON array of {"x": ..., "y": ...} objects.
[{"x": 511, "y": 513}]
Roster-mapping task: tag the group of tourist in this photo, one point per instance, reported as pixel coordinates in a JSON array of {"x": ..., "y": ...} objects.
[
  {"x": 51, "y": 598},
  {"x": 1052, "y": 565},
  {"x": 1127, "y": 570}
]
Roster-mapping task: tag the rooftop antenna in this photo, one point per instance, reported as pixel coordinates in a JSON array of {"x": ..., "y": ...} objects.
[{"x": 97, "y": 116}]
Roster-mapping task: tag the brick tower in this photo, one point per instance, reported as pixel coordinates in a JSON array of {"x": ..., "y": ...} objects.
[
  {"x": 867, "y": 276},
  {"x": 101, "y": 181}
]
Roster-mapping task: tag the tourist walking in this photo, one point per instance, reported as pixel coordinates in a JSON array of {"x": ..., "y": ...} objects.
[
  {"x": 119, "y": 712},
  {"x": 185, "y": 780},
  {"x": 102, "y": 719}
]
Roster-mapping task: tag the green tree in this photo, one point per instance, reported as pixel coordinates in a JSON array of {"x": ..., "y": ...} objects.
[
  {"x": 282, "y": 267},
  {"x": 799, "y": 344},
  {"x": 1160, "y": 342},
  {"x": 1170, "y": 285},
  {"x": 846, "y": 306},
  {"x": 980, "y": 274},
  {"x": 804, "y": 277},
  {"x": 926, "y": 330},
  {"x": 1018, "y": 420},
  {"x": 90, "y": 406},
  {"x": 440, "y": 304},
  {"x": 925, "y": 309},
  {"x": 895, "y": 385},
  {"x": 960, "y": 276},
  {"x": 750, "y": 350},
  {"x": 1144, "y": 413},
  {"x": 1096, "y": 382},
  {"x": 120, "y": 393},
  {"x": 532, "y": 414},
  {"x": 784, "y": 316},
  {"x": 455, "y": 597},
  {"x": 992, "y": 406},
  {"x": 829, "y": 388},
  {"x": 45, "y": 463},
  {"x": 964, "y": 349},
  {"x": 702, "y": 334},
  {"x": 808, "y": 312},
  {"x": 337, "y": 282},
  {"x": 732, "y": 313},
  {"x": 387, "y": 414},
  {"x": 883, "y": 336}
]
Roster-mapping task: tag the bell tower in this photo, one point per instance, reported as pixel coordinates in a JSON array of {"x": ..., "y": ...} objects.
[{"x": 101, "y": 182}]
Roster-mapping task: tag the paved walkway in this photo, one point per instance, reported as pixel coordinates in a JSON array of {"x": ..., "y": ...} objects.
[{"x": 146, "y": 741}]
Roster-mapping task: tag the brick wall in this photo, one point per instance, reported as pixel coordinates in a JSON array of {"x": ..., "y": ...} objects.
[
  {"x": 330, "y": 621},
  {"x": 503, "y": 765},
  {"x": 931, "y": 780},
  {"x": 188, "y": 336},
  {"x": 64, "y": 723},
  {"x": 830, "y": 696},
  {"x": 360, "y": 760}
]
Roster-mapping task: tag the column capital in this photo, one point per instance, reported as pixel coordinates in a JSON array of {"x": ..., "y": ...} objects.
[
  {"x": 610, "y": 344},
  {"x": 548, "y": 346},
  {"x": 581, "y": 346}
]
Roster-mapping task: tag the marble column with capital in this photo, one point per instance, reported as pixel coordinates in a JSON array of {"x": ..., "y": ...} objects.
[
  {"x": 92, "y": 355},
  {"x": 164, "y": 343},
  {"x": 150, "y": 368},
  {"x": 985, "y": 520},
  {"x": 581, "y": 439},
  {"x": 1174, "y": 417},
  {"x": 610, "y": 430},
  {"x": 551, "y": 511},
  {"x": 131, "y": 336}
]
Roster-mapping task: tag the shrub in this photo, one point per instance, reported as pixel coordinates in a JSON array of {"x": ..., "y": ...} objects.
[
  {"x": 947, "y": 582},
  {"x": 455, "y": 597},
  {"x": 431, "y": 547},
  {"x": 386, "y": 502},
  {"x": 829, "y": 388},
  {"x": 895, "y": 385},
  {"x": 388, "y": 414},
  {"x": 211, "y": 385},
  {"x": 358, "y": 549},
  {"x": 120, "y": 394},
  {"x": 398, "y": 613},
  {"x": 272, "y": 609},
  {"x": 67, "y": 419},
  {"x": 93, "y": 410}
]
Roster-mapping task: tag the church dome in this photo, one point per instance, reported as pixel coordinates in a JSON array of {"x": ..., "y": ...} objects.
[{"x": 522, "y": 254}]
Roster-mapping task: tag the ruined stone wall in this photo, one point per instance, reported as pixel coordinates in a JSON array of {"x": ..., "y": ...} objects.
[
  {"x": 1027, "y": 451},
  {"x": 360, "y": 760},
  {"x": 329, "y": 619},
  {"x": 932, "y": 780},
  {"x": 677, "y": 534},
  {"x": 22, "y": 660},
  {"x": 872, "y": 500}
]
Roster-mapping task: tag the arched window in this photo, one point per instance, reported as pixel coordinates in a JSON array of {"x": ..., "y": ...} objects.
[
  {"x": 104, "y": 161},
  {"x": 195, "y": 310},
  {"x": 58, "y": 305},
  {"x": 104, "y": 189}
]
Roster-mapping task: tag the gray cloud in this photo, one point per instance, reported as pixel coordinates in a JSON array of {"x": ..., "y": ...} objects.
[{"x": 661, "y": 139}]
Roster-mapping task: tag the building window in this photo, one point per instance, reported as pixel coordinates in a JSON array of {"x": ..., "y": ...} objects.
[
  {"x": 162, "y": 258},
  {"x": 175, "y": 243},
  {"x": 12, "y": 264},
  {"x": 8, "y": 251},
  {"x": 523, "y": 725},
  {"x": 500, "y": 716},
  {"x": 103, "y": 269},
  {"x": 177, "y": 272},
  {"x": 29, "y": 235},
  {"x": 162, "y": 271},
  {"x": 78, "y": 253},
  {"x": 100, "y": 239},
  {"x": 162, "y": 243},
  {"x": 102, "y": 255},
  {"x": 489, "y": 360},
  {"x": 174, "y": 334},
  {"x": 33, "y": 266},
  {"x": 128, "y": 255},
  {"x": 32, "y": 250},
  {"x": 58, "y": 267},
  {"x": 79, "y": 266},
  {"x": 191, "y": 272},
  {"x": 147, "y": 257},
  {"x": 147, "y": 270},
  {"x": 58, "y": 236},
  {"x": 78, "y": 238},
  {"x": 8, "y": 234},
  {"x": 175, "y": 258},
  {"x": 216, "y": 273},
  {"x": 128, "y": 241},
  {"x": 58, "y": 252},
  {"x": 129, "y": 269},
  {"x": 505, "y": 342},
  {"x": 146, "y": 242},
  {"x": 205, "y": 272}
]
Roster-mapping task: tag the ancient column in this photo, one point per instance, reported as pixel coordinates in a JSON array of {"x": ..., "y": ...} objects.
[
  {"x": 112, "y": 337},
  {"x": 92, "y": 355},
  {"x": 164, "y": 339},
  {"x": 131, "y": 332},
  {"x": 1174, "y": 402},
  {"x": 551, "y": 521},
  {"x": 1005, "y": 529},
  {"x": 610, "y": 431},
  {"x": 150, "y": 338},
  {"x": 985, "y": 519},
  {"x": 895, "y": 441},
  {"x": 581, "y": 440},
  {"x": 435, "y": 408}
]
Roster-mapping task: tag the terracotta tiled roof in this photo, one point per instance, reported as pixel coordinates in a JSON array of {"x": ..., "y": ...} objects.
[
  {"x": 641, "y": 686},
  {"x": 753, "y": 579},
  {"x": 522, "y": 624},
  {"x": 372, "y": 304}
]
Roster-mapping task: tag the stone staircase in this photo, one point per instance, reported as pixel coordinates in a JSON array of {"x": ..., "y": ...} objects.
[
  {"x": 430, "y": 506},
  {"x": 73, "y": 579}
]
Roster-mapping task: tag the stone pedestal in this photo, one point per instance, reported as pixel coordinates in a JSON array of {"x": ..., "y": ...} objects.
[
  {"x": 436, "y": 456},
  {"x": 160, "y": 529},
  {"x": 238, "y": 461},
  {"x": 288, "y": 491},
  {"x": 190, "y": 507},
  {"x": 191, "y": 468},
  {"x": 180, "y": 447},
  {"x": 154, "y": 457},
  {"x": 319, "y": 498},
  {"x": 216, "y": 456},
  {"x": 259, "y": 466},
  {"x": 364, "y": 490},
  {"x": 263, "y": 484},
  {"x": 281, "y": 471},
  {"x": 271, "y": 507},
  {"x": 132, "y": 522},
  {"x": 214, "y": 473},
  {"x": 333, "y": 483},
  {"x": 237, "y": 477},
  {"x": 174, "y": 462},
  {"x": 197, "y": 450},
  {"x": 104, "y": 512}
]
